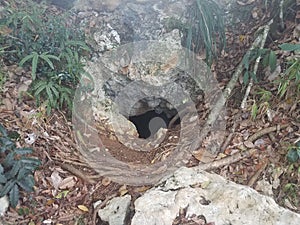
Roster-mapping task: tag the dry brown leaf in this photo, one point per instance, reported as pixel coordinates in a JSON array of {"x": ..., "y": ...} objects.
[
  {"x": 105, "y": 181},
  {"x": 56, "y": 179},
  {"x": 123, "y": 190},
  {"x": 68, "y": 182},
  {"x": 83, "y": 208},
  {"x": 141, "y": 189},
  {"x": 8, "y": 104},
  {"x": 203, "y": 156},
  {"x": 249, "y": 144}
]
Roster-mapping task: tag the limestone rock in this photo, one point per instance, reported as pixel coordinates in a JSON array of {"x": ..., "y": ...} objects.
[
  {"x": 116, "y": 211},
  {"x": 4, "y": 203},
  {"x": 218, "y": 200}
]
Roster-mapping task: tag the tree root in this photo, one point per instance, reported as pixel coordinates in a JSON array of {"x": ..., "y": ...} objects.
[
  {"x": 266, "y": 131},
  {"x": 77, "y": 173}
]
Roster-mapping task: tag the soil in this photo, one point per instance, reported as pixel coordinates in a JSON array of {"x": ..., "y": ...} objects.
[{"x": 56, "y": 147}]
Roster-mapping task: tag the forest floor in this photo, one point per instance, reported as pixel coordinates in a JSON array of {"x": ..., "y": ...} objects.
[{"x": 66, "y": 187}]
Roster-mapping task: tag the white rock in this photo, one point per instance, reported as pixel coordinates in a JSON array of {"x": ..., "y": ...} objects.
[
  {"x": 4, "y": 203},
  {"x": 218, "y": 200},
  {"x": 116, "y": 211}
]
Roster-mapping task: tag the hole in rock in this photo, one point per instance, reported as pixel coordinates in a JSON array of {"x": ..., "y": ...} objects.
[{"x": 149, "y": 123}]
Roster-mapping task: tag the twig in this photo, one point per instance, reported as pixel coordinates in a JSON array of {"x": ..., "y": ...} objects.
[
  {"x": 262, "y": 43},
  {"x": 266, "y": 131},
  {"x": 75, "y": 163},
  {"x": 228, "y": 139},
  {"x": 254, "y": 178},
  {"x": 222, "y": 100},
  {"x": 98, "y": 207},
  {"x": 226, "y": 161},
  {"x": 77, "y": 173}
]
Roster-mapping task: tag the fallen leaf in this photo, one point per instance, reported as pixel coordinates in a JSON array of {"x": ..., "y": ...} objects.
[
  {"x": 123, "y": 190},
  {"x": 62, "y": 194},
  {"x": 50, "y": 202},
  {"x": 141, "y": 189},
  {"x": 203, "y": 156},
  {"x": 8, "y": 105},
  {"x": 68, "y": 182},
  {"x": 83, "y": 208},
  {"x": 249, "y": 144},
  {"x": 55, "y": 179},
  {"x": 105, "y": 181},
  {"x": 259, "y": 142},
  {"x": 205, "y": 184}
]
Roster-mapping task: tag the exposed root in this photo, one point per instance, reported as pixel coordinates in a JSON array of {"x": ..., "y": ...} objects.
[
  {"x": 266, "y": 131},
  {"x": 77, "y": 173}
]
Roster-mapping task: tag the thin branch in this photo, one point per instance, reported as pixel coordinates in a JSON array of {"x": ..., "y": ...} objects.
[
  {"x": 77, "y": 173},
  {"x": 217, "y": 108},
  {"x": 228, "y": 139},
  {"x": 262, "y": 44},
  {"x": 255, "y": 177},
  {"x": 226, "y": 161},
  {"x": 266, "y": 131}
]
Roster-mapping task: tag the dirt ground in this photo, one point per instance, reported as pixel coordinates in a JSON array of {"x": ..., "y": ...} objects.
[{"x": 56, "y": 147}]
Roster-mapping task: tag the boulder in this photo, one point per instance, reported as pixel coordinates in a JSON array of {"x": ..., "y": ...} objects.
[{"x": 211, "y": 196}]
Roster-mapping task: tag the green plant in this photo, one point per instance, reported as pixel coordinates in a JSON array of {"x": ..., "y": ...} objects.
[
  {"x": 269, "y": 59},
  {"x": 55, "y": 94},
  {"x": 52, "y": 45},
  {"x": 203, "y": 29},
  {"x": 291, "y": 76},
  {"x": 16, "y": 168},
  {"x": 2, "y": 80},
  {"x": 34, "y": 56},
  {"x": 293, "y": 154},
  {"x": 262, "y": 105},
  {"x": 2, "y": 74}
]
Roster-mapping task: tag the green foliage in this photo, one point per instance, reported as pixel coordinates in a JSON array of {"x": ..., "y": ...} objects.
[
  {"x": 2, "y": 80},
  {"x": 52, "y": 45},
  {"x": 261, "y": 106},
  {"x": 269, "y": 59},
  {"x": 56, "y": 95},
  {"x": 203, "y": 29},
  {"x": 35, "y": 57},
  {"x": 293, "y": 154},
  {"x": 16, "y": 168},
  {"x": 291, "y": 76},
  {"x": 206, "y": 26},
  {"x": 290, "y": 47},
  {"x": 2, "y": 74}
]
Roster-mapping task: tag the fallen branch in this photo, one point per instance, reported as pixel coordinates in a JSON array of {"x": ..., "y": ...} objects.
[
  {"x": 228, "y": 139},
  {"x": 240, "y": 155},
  {"x": 266, "y": 131},
  {"x": 226, "y": 161},
  {"x": 217, "y": 108},
  {"x": 262, "y": 44},
  {"x": 254, "y": 178}
]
